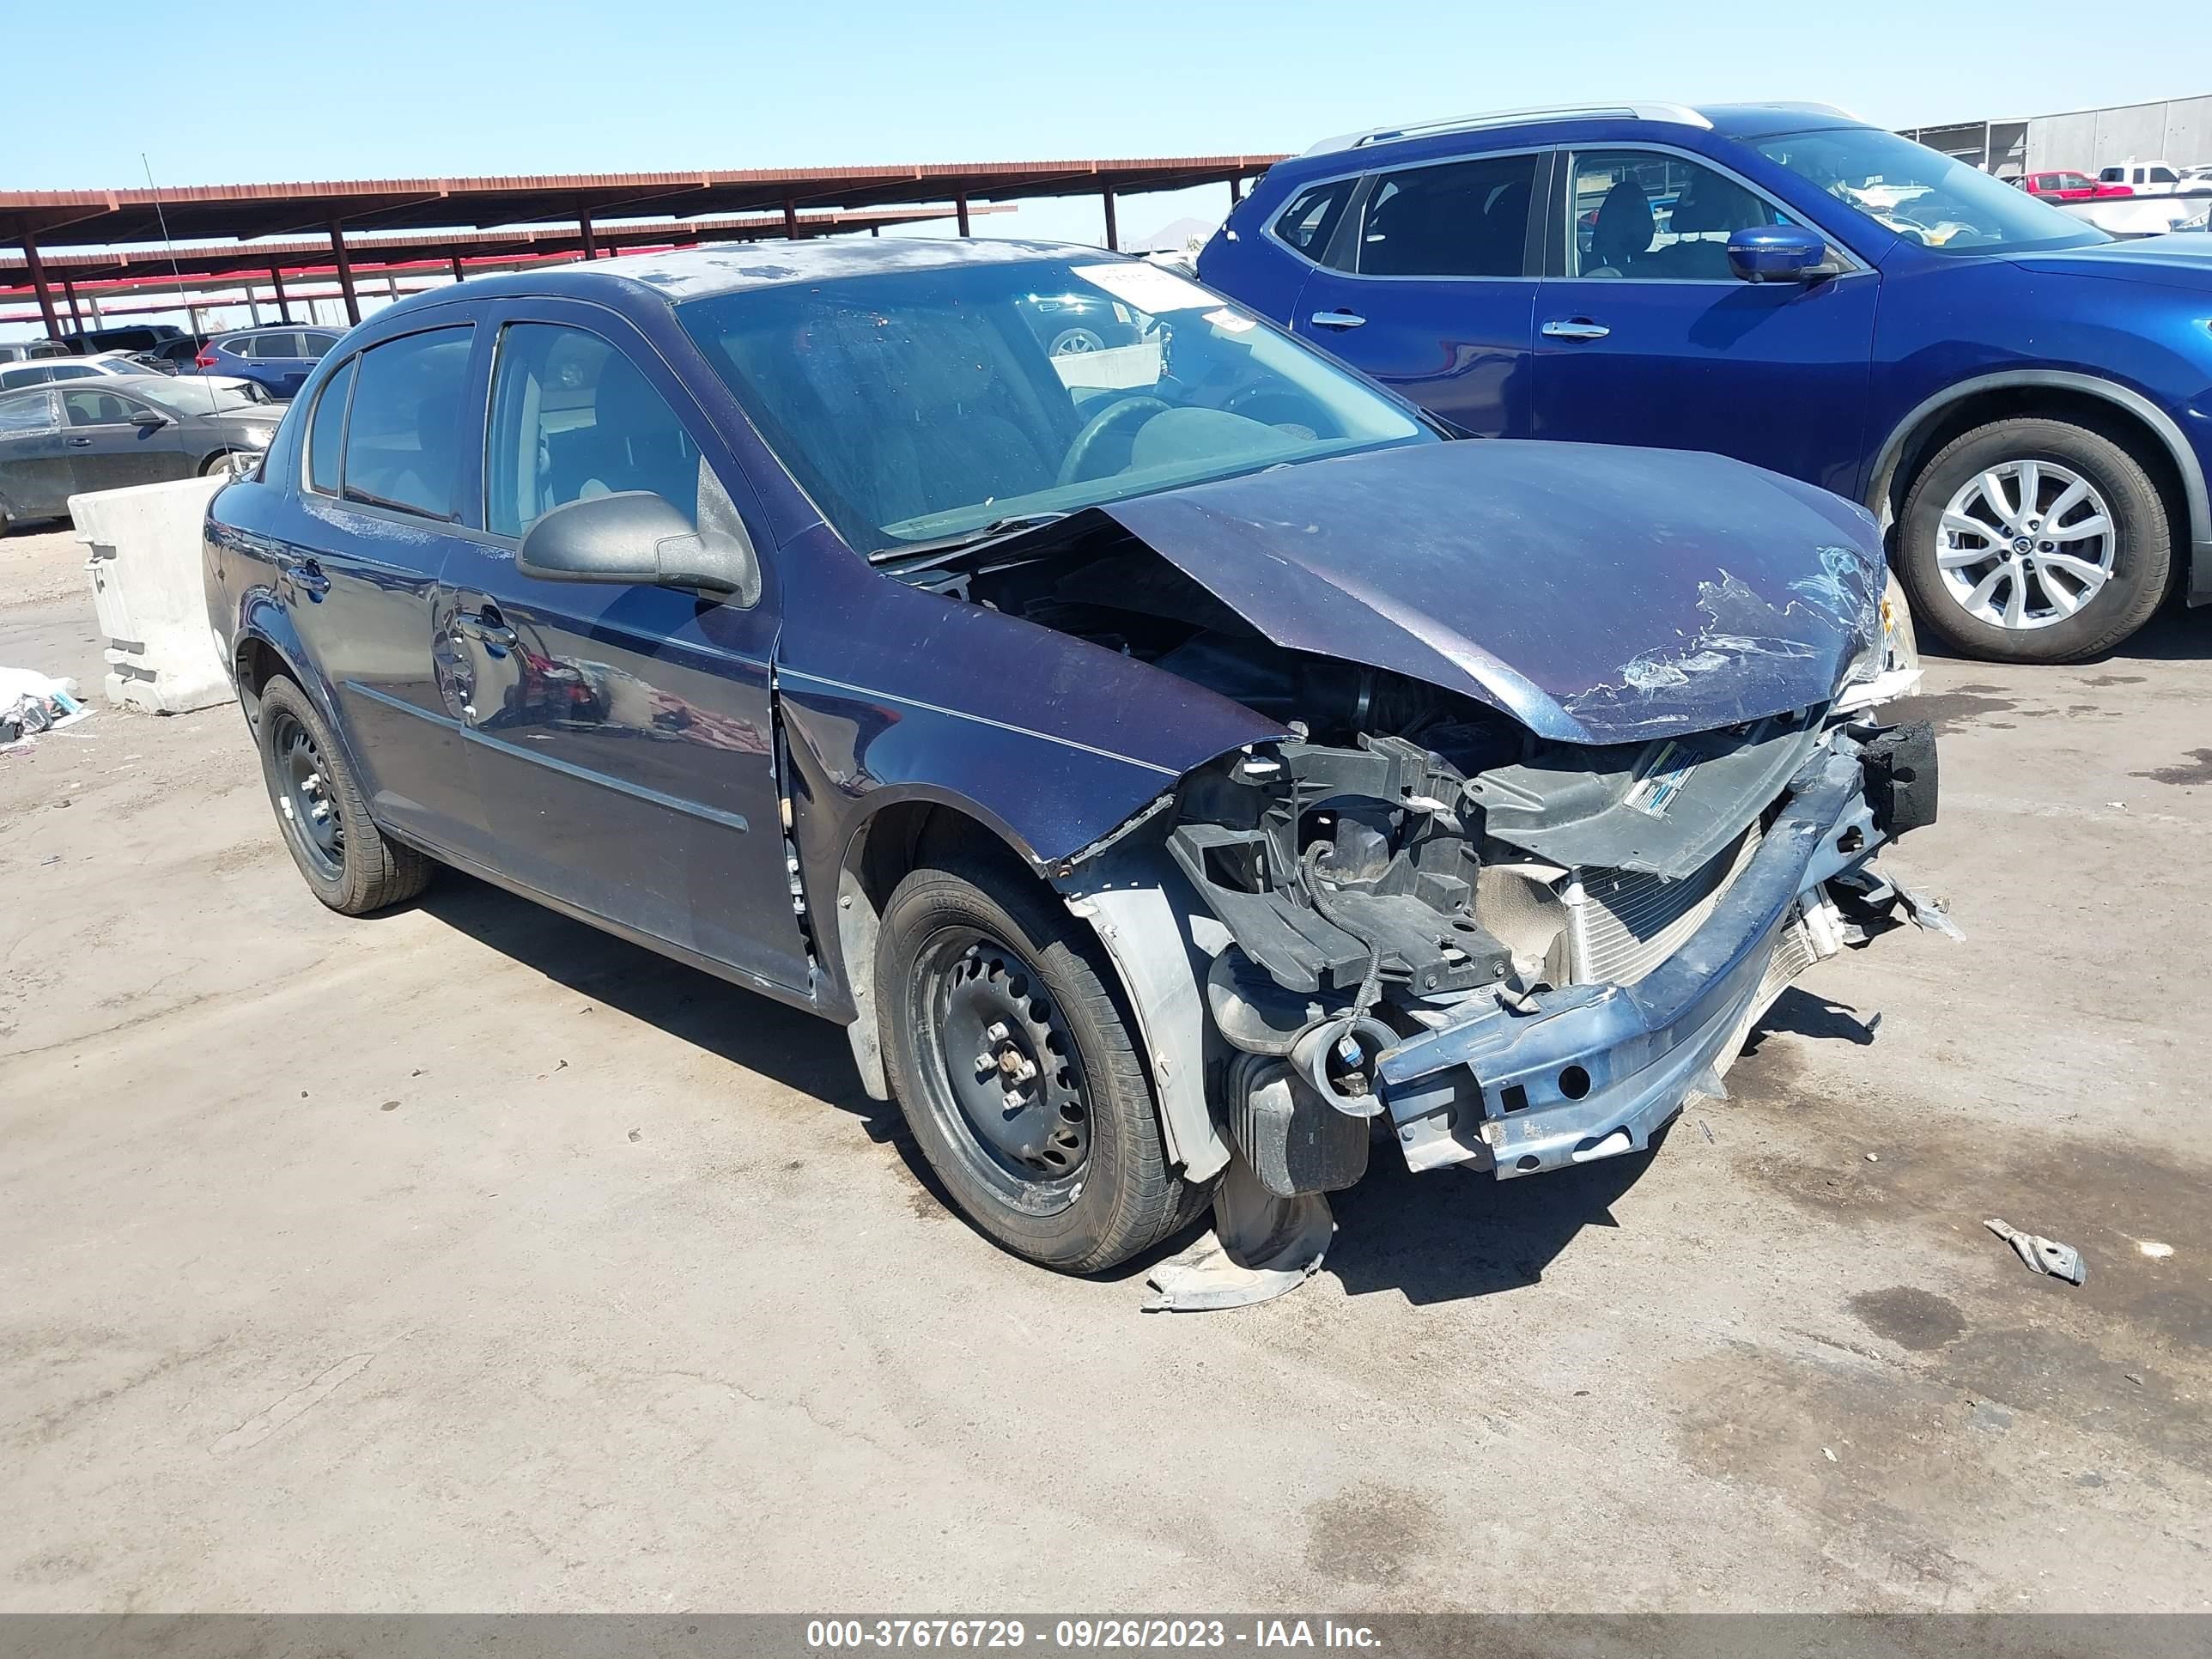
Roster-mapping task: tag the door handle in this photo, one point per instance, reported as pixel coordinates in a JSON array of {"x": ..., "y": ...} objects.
[
  {"x": 1575, "y": 328},
  {"x": 80, "y": 443},
  {"x": 304, "y": 573},
  {"x": 1338, "y": 318},
  {"x": 486, "y": 625}
]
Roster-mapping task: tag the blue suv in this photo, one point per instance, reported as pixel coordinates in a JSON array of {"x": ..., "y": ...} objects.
[
  {"x": 2024, "y": 403},
  {"x": 278, "y": 359}
]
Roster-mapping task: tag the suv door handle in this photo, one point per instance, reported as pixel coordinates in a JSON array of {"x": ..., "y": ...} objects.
[
  {"x": 1575, "y": 328},
  {"x": 1338, "y": 318},
  {"x": 486, "y": 625}
]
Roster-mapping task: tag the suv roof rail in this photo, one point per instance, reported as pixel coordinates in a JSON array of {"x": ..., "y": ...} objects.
[{"x": 1679, "y": 115}]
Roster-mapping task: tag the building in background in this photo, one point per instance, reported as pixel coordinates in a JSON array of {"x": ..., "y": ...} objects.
[{"x": 2176, "y": 130}]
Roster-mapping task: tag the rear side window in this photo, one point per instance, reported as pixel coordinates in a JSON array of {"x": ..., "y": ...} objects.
[
  {"x": 1312, "y": 218},
  {"x": 326, "y": 432},
  {"x": 1461, "y": 219},
  {"x": 27, "y": 412},
  {"x": 572, "y": 417},
  {"x": 403, "y": 434}
]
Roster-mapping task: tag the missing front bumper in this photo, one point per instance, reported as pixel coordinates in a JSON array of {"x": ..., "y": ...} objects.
[{"x": 1593, "y": 1071}]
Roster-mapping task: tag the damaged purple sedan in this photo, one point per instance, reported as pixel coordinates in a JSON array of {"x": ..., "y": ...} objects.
[{"x": 1176, "y": 762}]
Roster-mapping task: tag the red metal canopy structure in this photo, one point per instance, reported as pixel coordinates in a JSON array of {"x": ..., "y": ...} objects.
[{"x": 786, "y": 200}]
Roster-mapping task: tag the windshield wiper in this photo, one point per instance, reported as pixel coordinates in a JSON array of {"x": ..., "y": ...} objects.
[{"x": 965, "y": 539}]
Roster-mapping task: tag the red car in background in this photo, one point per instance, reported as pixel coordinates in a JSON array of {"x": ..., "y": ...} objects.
[{"x": 2061, "y": 186}]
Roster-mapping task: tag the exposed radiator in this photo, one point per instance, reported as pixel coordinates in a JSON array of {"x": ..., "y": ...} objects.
[{"x": 1629, "y": 921}]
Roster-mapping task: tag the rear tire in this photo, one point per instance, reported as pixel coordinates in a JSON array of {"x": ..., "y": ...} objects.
[
  {"x": 1991, "y": 576},
  {"x": 350, "y": 864},
  {"x": 1052, "y": 1150}
]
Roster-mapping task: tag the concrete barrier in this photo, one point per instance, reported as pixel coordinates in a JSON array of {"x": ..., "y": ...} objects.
[{"x": 144, "y": 543}]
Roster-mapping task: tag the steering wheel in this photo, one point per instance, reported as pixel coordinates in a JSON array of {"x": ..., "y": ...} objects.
[{"x": 1112, "y": 416}]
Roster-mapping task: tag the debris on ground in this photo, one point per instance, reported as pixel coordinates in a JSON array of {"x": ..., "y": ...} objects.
[
  {"x": 2045, "y": 1255},
  {"x": 1708, "y": 1129},
  {"x": 1927, "y": 912},
  {"x": 31, "y": 703}
]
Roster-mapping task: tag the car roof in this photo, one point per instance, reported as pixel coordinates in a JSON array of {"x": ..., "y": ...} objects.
[{"x": 696, "y": 273}]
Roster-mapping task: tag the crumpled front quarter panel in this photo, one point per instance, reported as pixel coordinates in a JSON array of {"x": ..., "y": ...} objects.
[{"x": 1056, "y": 742}]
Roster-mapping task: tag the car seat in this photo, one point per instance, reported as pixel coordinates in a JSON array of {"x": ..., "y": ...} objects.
[{"x": 1622, "y": 236}]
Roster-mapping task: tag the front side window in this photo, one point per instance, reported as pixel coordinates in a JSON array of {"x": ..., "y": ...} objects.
[
  {"x": 1643, "y": 214},
  {"x": 326, "y": 432},
  {"x": 317, "y": 345},
  {"x": 572, "y": 418},
  {"x": 1461, "y": 219},
  {"x": 402, "y": 437},
  {"x": 90, "y": 408},
  {"x": 27, "y": 411},
  {"x": 2164, "y": 176},
  {"x": 1312, "y": 218},
  {"x": 1929, "y": 199},
  {"x": 72, "y": 372},
  {"x": 914, "y": 405}
]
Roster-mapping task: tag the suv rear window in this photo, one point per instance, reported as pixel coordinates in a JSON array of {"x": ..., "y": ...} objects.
[
  {"x": 1312, "y": 218},
  {"x": 1459, "y": 219}
]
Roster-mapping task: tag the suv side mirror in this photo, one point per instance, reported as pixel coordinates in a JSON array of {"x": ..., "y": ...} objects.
[
  {"x": 1778, "y": 253},
  {"x": 635, "y": 537}
]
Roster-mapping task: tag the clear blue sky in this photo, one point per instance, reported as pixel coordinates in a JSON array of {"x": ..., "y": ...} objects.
[{"x": 461, "y": 87}]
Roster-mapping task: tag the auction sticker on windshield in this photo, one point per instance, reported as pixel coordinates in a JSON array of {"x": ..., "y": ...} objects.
[{"x": 1148, "y": 288}]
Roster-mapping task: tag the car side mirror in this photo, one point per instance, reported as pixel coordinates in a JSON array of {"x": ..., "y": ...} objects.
[
  {"x": 633, "y": 536},
  {"x": 1778, "y": 253},
  {"x": 147, "y": 420}
]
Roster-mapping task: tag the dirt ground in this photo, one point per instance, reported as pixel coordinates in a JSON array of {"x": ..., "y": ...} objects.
[{"x": 465, "y": 1259}]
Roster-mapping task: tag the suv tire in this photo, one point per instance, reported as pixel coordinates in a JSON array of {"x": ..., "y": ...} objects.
[
  {"x": 350, "y": 864},
  {"x": 1052, "y": 1149},
  {"x": 1967, "y": 531}
]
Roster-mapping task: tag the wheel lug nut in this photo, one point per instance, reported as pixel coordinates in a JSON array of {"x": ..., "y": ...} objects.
[{"x": 997, "y": 1032}]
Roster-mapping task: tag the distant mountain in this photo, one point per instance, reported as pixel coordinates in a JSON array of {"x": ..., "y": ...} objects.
[{"x": 1175, "y": 234}]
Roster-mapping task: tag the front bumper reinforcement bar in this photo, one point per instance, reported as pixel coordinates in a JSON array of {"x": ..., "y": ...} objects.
[{"x": 1592, "y": 1071}]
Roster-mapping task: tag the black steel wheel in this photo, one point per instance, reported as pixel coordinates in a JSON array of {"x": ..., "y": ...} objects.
[
  {"x": 1012, "y": 1055},
  {"x": 350, "y": 864},
  {"x": 1020, "y": 1116}
]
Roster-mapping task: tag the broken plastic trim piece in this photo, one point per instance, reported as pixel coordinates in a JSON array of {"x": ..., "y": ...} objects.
[
  {"x": 1261, "y": 1247},
  {"x": 2043, "y": 1255}
]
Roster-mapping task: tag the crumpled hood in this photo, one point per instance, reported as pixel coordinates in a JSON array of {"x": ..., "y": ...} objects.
[
  {"x": 1596, "y": 594},
  {"x": 2181, "y": 260}
]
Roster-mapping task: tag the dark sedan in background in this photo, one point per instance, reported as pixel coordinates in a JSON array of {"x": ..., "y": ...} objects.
[{"x": 59, "y": 441}]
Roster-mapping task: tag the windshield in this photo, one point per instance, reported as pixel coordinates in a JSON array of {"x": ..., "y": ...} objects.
[
  {"x": 917, "y": 405},
  {"x": 1924, "y": 196},
  {"x": 201, "y": 395}
]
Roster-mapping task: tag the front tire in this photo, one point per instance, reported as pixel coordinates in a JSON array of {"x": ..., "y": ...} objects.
[
  {"x": 2034, "y": 541},
  {"x": 1013, "y": 1059},
  {"x": 350, "y": 864}
]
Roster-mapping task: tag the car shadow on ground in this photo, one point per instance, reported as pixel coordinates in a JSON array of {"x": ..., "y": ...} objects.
[
  {"x": 743, "y": 1027},
  {"x": 1440, "y": 1236},
  {"x": 2176, "y": 633}
]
